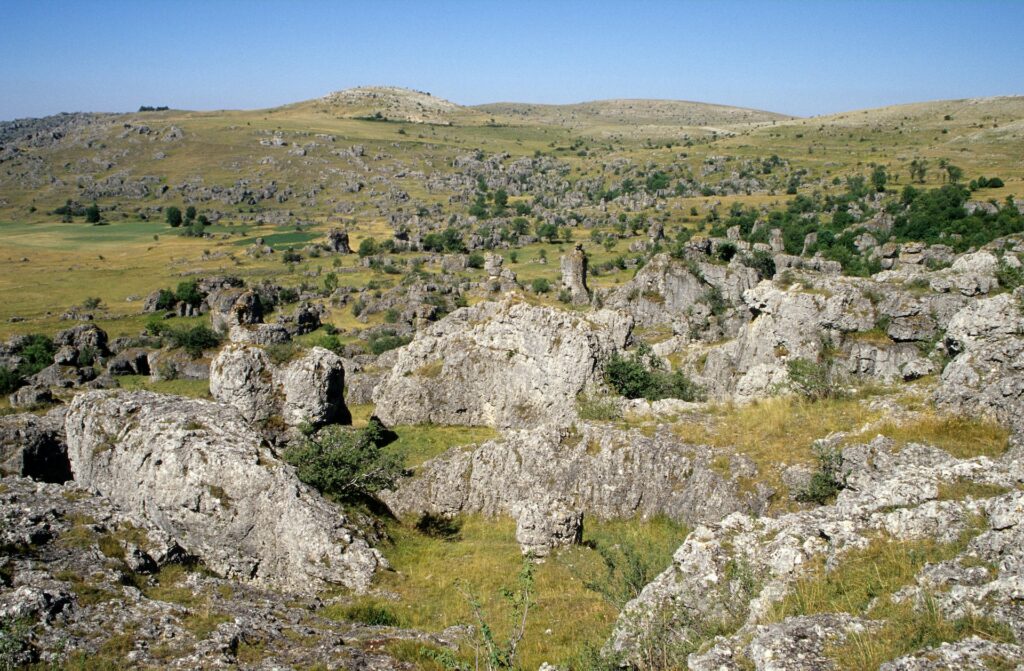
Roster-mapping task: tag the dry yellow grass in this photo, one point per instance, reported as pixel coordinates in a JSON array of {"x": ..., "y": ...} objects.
[{"x": 962, "y": 437}]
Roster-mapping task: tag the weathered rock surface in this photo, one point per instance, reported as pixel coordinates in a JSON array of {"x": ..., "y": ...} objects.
[
  {"x": 730, "y": 574},
  {"x": 306, "y": 390},
  {"x": 600, "y": 471},
  {"x": 544, "y": 525},
  {"x": 76, "y": 570},
  {"x": 574, "y": 275},
  {"x": 196, "y": 471},
  {"x": 33, "y": 446},
  {"x": 987, "y": 375},
  {"x": 499, "y": 364},
  {"x": 233, "y": 306}
]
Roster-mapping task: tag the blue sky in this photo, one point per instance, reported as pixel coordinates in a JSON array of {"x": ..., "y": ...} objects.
[{"x": 799, "y": 57}]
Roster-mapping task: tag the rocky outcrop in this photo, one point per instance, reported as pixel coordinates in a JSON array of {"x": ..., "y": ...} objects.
[
  {"x": 77, "y": 572},
  {"x": 726, "y": 577},
  {"x": 987, "y": 374},
  {"x": 499, "y": 364},
  {"x": 543, "y": 526},
  {"x": 686, "y": 295},
  {"x": 574, "y": 276},
  {"x": 196, "y": 471},
  {"x": 306, "y": 390},
  {"x": 259, "y": 334},
  {"x": 232, "y": 307},
  {"x": 33, "y": 446},
  {"x": 337, "y": 241},
  {"x": 601, "y": 471}
]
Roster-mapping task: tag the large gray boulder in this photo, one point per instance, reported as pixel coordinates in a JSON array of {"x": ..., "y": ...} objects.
[
  {"x": 197, "y": 471},
  {"x": 601, "y": 471},
  {"x": 503, "y": 364},
  {"x": 306, "y": 390},
  {"x": 987, "y": 375},
  {"x": 233, "y": 306}
]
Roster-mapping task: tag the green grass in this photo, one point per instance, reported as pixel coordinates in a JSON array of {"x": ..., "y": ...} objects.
[
  {"x": 419, "y": 443},
  {"x": 190, "y": 388},
  {"x": 432, "y": 578},
  {"x": 863, "y": 583}
]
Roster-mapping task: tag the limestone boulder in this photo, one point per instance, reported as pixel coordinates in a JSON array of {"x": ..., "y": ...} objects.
[
  {"x": 500, "y": 364},
  {"x": 197, "y": 471}
]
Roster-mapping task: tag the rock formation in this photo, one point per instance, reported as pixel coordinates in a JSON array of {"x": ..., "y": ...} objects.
[
  {"x": 574, "y": 275},
  {"x": 196, "y": 471},
  {"x": 499, "y": 364}
]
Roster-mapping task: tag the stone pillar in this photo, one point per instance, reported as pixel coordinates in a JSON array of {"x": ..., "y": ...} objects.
[{"x": 574, "y": 275}]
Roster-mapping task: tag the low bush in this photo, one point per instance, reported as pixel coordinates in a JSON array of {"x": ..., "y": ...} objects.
[
  {"x": 643, "y": 375},
  {"x": 346, "y": 464}
]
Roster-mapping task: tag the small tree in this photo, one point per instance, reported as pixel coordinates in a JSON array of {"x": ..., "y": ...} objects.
[
  {"x": 879, "y": 178},
  {"x": 367, "y": 247},
  {"x": 92, "y": 214},
  {"x": 346, "y": 464},
  {"x": 190, "y": 213},
  {"x": 173, "y": 216}
]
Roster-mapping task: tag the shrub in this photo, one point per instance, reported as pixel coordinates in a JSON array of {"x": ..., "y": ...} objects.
[
  {"x": 726, "y": 251},
  {"x": 367, "y": 247},
  {"x": 92, "y": 214},
  {"x": 540, "y": 285},
  {"x": 387, "y": 340},
  {"x": 193, "y": 340},
  {"x": 36, "y": 353},
  {"x": 1009, "y": 277},
  {"x": 642, "y": 375},
  {"x": 761, "y": 261},
  {"x": 10, "y": 380},
  {"x": 291, "y": 256},
  {"x": 346, "y": 464},
  {"x": 188, "y": 292},
  {"x": 166, "y": 300},
  {"x": 813, "y": 380},
  {"x": 475, "y": 260},
  {"x": 598, "y": 408},
  {"x": 828, "y": 480}
]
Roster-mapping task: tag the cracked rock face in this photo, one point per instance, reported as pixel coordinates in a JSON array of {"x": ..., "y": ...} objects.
[
  {"x": 542, "y": 526},
  {"x": 308, "y": 389},
  {"x": 987, "y": 375},
  {"x": 598, "y": 470},
  {"x": 195, "y": 470},
  {"x": 734, "y": 572},
  {"x": 499, "y": 364}
]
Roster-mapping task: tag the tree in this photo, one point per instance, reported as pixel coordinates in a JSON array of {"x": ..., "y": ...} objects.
[
  {"x": 92, "y": 214},
  {"x": 879, "y": 178},
  {"x": 918, "y": 169},
  {"x": 955, "y": 174},
  {"x": 190, "y": 213},
  {"x": 173, "y": 216},
  {"x": 344, "y": 464},
  {"x": 367, "y": 247}
]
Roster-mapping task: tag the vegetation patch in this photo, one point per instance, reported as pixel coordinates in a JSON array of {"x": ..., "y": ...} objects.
[{"x": 962, "y": 437}]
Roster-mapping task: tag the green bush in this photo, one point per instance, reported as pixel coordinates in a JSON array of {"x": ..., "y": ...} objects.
[
  {"x": 387, "y": 340},
  {"x": 761, "y": 261},
  {"x": 193, "y": 340},
  {"x": 1009, "y": 277},
  {"x": 173, "y": 216},
  {"x": 813, "y": 380},
  {"x": 540, "y": 285},
  {"x": 828, "y": 480},
  {"x": 92, "y": 214},
  {"x": 475, "y": 260},
  {"x": 165, "y": 300},
  {"x": 10, "y": 380},
  {"x": 642, "y": 375},
  {"x": 188, "y": 292},
  {"x": 344, "y": 463},
  {"x": 36, "y": 353}
]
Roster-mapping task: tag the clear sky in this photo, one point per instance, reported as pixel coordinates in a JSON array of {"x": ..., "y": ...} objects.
[{"x": 800, "y": 57}]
